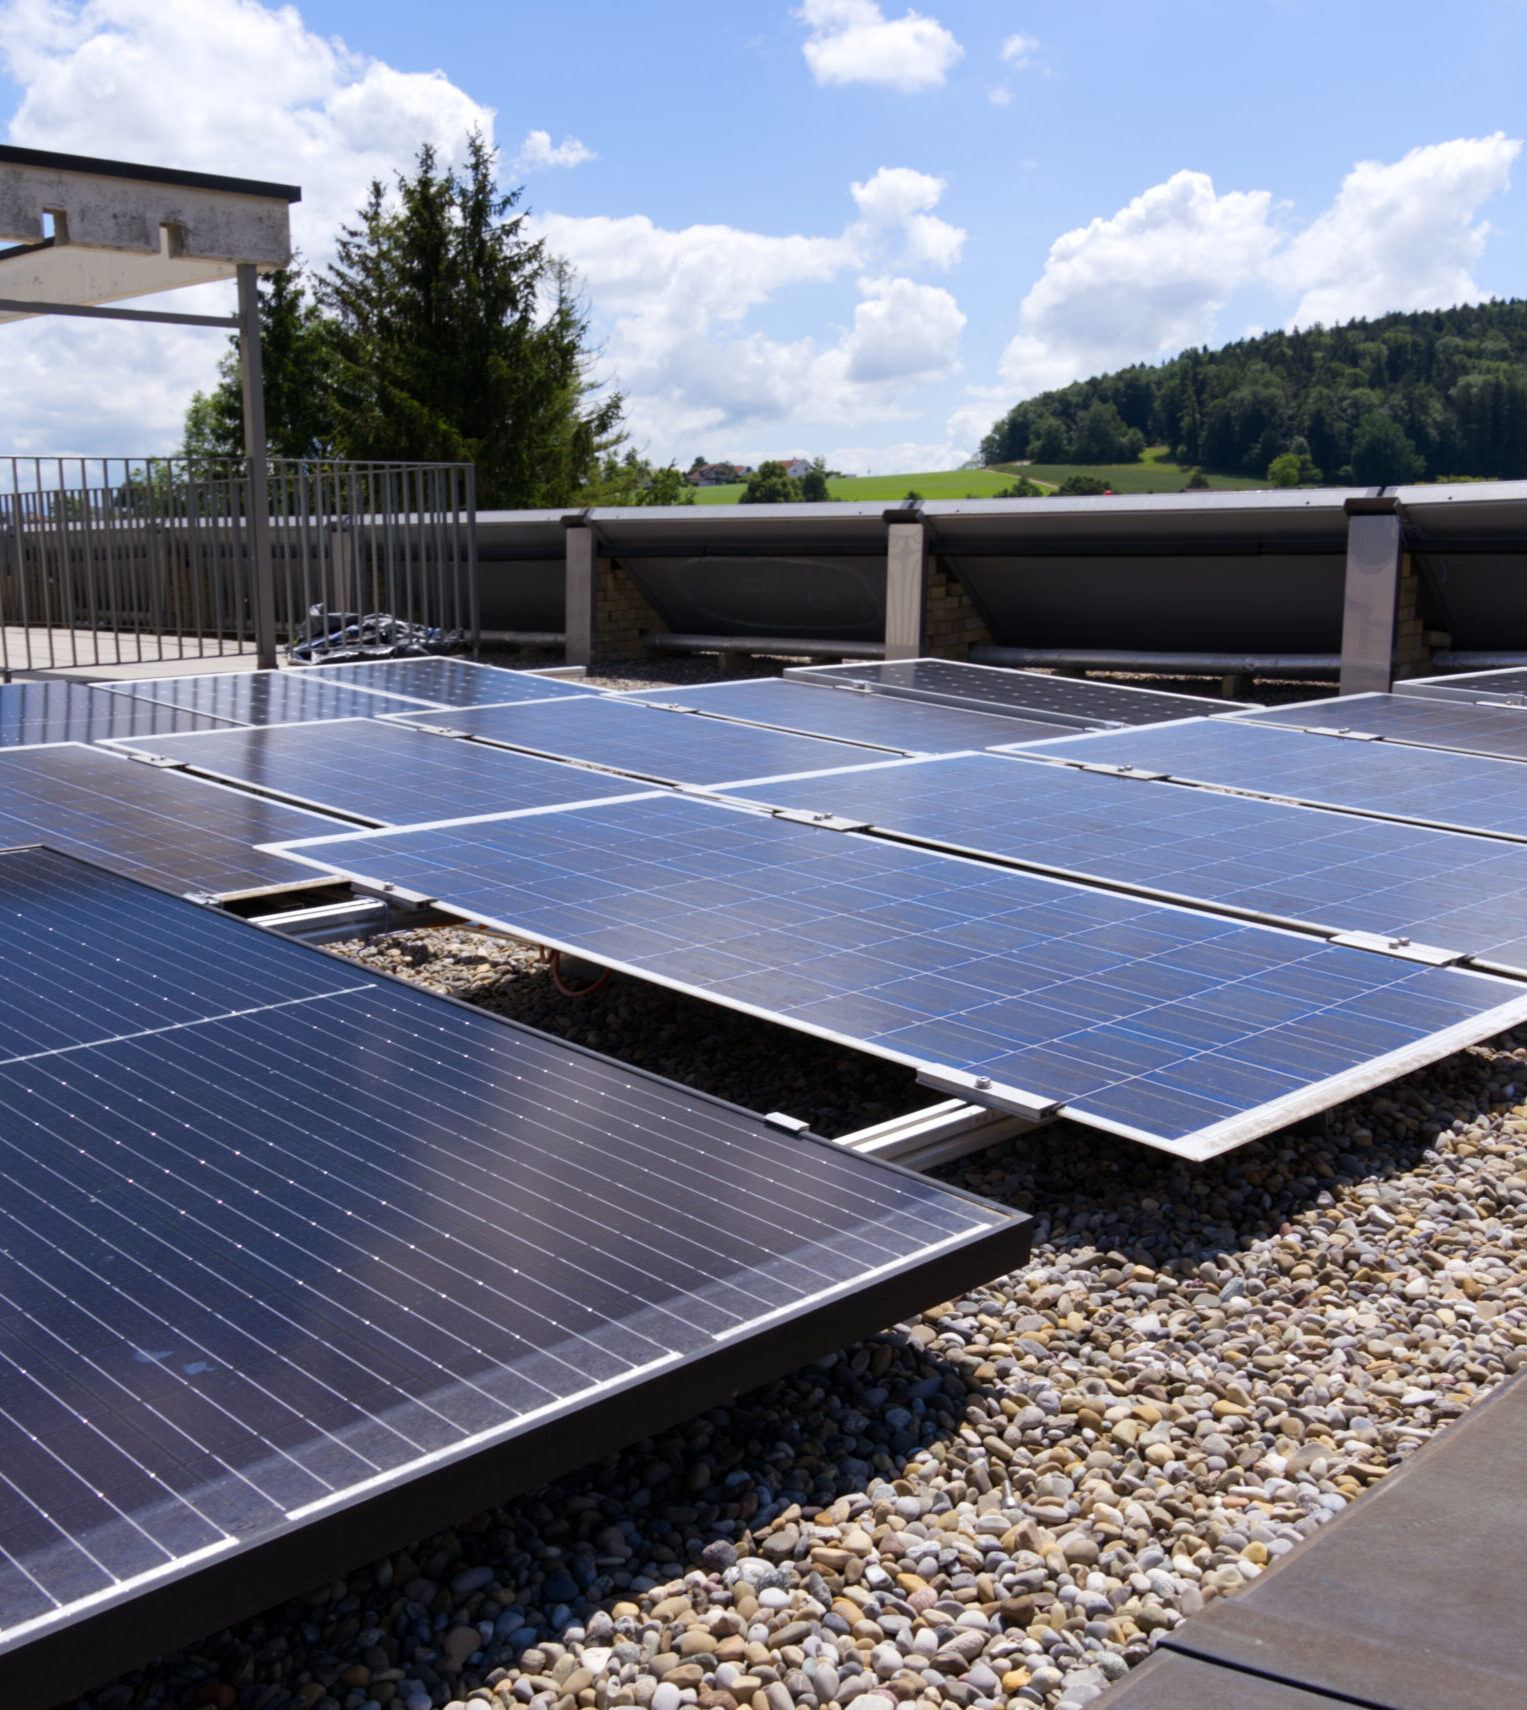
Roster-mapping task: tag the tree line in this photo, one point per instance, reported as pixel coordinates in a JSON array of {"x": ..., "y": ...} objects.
[
  {"x": 441, "y": 332},
  {"x": 1405, "y": 397}
]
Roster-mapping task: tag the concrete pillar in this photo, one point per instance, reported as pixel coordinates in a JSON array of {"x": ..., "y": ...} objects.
[
  {"x": 582, "y": 568},
  {"x": 262, "y": 568},
  {"x": 906, "y": 585},
  {"x": 1372, "y": 598}
]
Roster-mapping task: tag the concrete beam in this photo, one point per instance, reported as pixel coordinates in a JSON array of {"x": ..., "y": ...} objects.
[
  {"x": 1371, "y": 604},
  {"x": 906, "y": 585},
  {"x": 582, "y": 568}
]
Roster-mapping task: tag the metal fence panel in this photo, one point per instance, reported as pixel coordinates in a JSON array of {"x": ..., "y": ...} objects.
[{"x": 116, "y": 561}]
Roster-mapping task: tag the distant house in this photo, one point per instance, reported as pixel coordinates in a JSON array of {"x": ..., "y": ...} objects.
[
  {"x": 797, "y": 467},
  {"x": 718, "y": 474}
]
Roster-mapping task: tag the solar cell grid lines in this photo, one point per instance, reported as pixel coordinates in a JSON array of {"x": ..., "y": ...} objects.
[
  {"x": 1466, "y": 727},
  {"x": 646, "y": 742},
  {"x": 73, "y": 712},
  {"x": 1270, "y": 860},
  {"x": 1159, "y": 1023},
  {"x": 338, "y": 1265},
  {"x": 448, "y": 682},
  {"x": 993, "y": 689},
  {"x": 151, "y": 823},
  {"x": 1385, "y": 780},
  {"x": 265, "y": 697},
  {"x": 390, "y": 773},
  {"x": 848, "y": 714}
]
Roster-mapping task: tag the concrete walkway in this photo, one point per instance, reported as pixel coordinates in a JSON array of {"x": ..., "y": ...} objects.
[
  {"x": 99, "y": 655},
  {"x": 1414, "y": 1599}
]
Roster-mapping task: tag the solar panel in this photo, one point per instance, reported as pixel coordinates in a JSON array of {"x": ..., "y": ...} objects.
[
  {"x": 449, "y": 682},
  {"x": 1459, "y": 792},
  {"x": 646, "y": 742},
  {"x": 158, "y": 825},
  {"x": 993, "y": 689},
  {"x": 1163, "y": 1024},
  {"x": 386, "y": 772},
  {"x": 1295, "y": 865},
  {"x": 74, "y": 712},
  {"x": 307, "y": 1261},
  {"x": 1468, "y": 728},
  {"x": 266, "y": 697},
  {"x": 849, "y": 714},
  {"x": 1505, "y": 687}
]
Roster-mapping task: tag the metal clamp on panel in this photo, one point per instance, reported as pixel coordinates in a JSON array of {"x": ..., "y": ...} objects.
[
  {"x": 161, "y": 760},
  {"x": 789, "y": 1124},
  {"x": 1430, "y": 954},
  {"x": 1141, "y": 772},
  {"x": 823, "y": 821},
  {"x": 980, "y": 1089},
  {"x": 439, "y": 730},
  {"x": 390, "y": 892},
  {"x": 1333, "y": 730}
]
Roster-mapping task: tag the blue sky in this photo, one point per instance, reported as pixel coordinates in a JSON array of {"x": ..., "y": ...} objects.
[{"x": 835, "y": 226}]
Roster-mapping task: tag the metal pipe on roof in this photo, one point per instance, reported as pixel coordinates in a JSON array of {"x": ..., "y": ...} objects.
[
  {"x": 1189, "y": 664},
  {"x": 662, "y": 641},
  {"x": 1450, "y": 660}
]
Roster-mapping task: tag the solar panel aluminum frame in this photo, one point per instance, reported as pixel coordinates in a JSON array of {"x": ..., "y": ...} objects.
[
  {"x": 553, "y": 674},
  {"x": 1319, "y": 726},
  {"x": 787, "y": 729},
  {"x": 1208, "y": 1142},
  {"x": 1475, "y": 687},
  {"x": 56, "y": 1657}
]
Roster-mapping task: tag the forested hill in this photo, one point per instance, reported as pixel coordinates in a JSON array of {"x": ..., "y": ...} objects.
[{"x": 1403, "y": 398}]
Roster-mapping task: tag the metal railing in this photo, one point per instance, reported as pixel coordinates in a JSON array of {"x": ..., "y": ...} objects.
[{"x": 120, "y": 561}]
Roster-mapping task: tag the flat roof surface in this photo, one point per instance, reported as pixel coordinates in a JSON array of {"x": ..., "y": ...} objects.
[{"x": 10, "y": 155}]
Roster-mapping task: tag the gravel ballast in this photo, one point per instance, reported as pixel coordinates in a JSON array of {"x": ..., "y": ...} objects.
[{"x": 1006, "y": 1501}]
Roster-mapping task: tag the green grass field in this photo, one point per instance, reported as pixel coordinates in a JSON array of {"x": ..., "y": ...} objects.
[{"x": 1152, "y": 475}]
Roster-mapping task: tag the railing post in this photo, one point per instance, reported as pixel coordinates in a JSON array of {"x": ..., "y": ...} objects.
[
  {"x": 262, "y": 569},
  {"x": 578, "y": 618},
  {"x": 1371, "y": 602},
  {"x": 906, "y": 584}
]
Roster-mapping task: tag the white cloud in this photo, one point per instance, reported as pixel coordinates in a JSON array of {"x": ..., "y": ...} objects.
[
  {"x": 852, "y": 41},
  {"x": 220, "y": 86},
  {"x": 1139, "y": 285},
  {"x": 1399, "y": 236},
  {"x": 1154, "y": 277},
  {"x": 1018, "y": 51},
  {"x": 538, "y": 151},
  {"x": 670, "y": 304}
]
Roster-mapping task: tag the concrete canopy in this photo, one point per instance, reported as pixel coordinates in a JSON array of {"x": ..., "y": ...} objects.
[{"x": 86, "y": 232}]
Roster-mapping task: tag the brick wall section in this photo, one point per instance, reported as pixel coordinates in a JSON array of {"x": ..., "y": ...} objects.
[
  {"x": 951, "y": 623},
  {"x": 1412, "y": 657},
  {"x": 621, "y": 613}
]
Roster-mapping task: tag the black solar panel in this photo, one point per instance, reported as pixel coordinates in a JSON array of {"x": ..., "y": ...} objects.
[
  {"x": 266, "y": 697},
  {"x": 993, "y": 689},
  {"x": 1168, "y": 1025},
  {"x": 848, "y": 714},
  {"x": 306, "y": 1264},
  {"x": 449, "y": 682},
  {"x": 1333, "y": 871},
  {"x": 1389, "y": 780},
  {"x": 646, "y": 742},
  {"x": 1469, "y": 729},
  {"x": 150, "y": 823},
  {"x": 74, "y": 712},
  {"x": 386, "y": 772}
]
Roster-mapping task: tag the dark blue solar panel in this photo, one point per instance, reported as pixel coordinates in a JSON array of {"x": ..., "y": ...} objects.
[
  {"x": 449, "y": 682},
  {"x": 1472, "y": 729},
  {"x": 851, "y": 715},
  {"x": 995, "y": 689},
  {"x": 1304, "y": 865},
  {"x": 666, "y": 747},
  {"x": 151, "y": 823},
  {"x": 73, "y": 712},
  {"x": 320, "y": 1234},
  {"x": 266, "y": 697},
  {"x": 1460, "y": 792},
  {"x": 1506, "y": 688},
  {"x": 1166, "y": 1024},
  {"x": 389, "y": 773}
]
